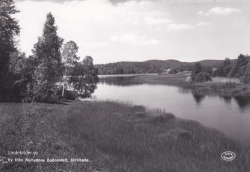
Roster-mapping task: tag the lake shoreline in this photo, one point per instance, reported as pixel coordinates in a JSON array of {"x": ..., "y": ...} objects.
[
  {"x": 224, "y": 89},
  {"x": 120, "y": 137}
]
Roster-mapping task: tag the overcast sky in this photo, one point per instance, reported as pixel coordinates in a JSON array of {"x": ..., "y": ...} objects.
[{"x": 123, "y": 30}]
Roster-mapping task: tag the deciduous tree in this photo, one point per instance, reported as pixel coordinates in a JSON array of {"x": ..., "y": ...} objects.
[
  {"x": 48, "y": 53},
  {"x": 246, "y": 78},
  {"x": 197, "y": 69},
  {"x": 69, "y": 58},
  {"x": 84, "y": 77}
]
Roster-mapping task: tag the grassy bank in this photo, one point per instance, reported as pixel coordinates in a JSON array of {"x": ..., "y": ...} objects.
[
  {"x": 114, "y": 137},
  {"x": 220, "y": 88},
  {"x": 224, "y": 89}
]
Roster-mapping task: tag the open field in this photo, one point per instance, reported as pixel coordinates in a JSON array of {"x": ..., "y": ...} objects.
[
  {"x": 169, "y": 79},
  {"x": 114, "y": 137}
]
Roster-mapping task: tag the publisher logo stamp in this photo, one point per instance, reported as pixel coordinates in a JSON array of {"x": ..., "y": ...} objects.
[{"x": 228, "y": 156}]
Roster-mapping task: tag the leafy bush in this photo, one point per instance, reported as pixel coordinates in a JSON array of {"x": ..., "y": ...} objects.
[
  {"x": 246, "y": 78},
  {"x": 202, "y": 77}
]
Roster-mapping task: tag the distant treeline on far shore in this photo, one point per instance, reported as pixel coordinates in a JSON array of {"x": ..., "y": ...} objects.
[
  {"x": 201, "y": 71},
  {"x": 153, "y": 66}
]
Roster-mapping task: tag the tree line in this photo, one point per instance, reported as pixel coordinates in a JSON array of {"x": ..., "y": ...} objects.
[
  {"x": 240, "y": 69},
  {"x": 49, "y": 72},
  {"x": 137, "y": 68},
  {"x": 127, "y": 68}
]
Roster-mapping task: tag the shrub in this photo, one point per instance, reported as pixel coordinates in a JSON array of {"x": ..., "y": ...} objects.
[
  {"x": 200, "y": 73},
  {"x": 202, "y": 77}
]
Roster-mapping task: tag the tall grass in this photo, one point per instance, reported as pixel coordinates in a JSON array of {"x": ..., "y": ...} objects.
[
  {"x": 226, "y": 80},
  {"x": 33, "y": 127},
  {"x": 115, "y": 137},
  {"x": 133, "y": 140},
  {"x": 220, "y": 88}
]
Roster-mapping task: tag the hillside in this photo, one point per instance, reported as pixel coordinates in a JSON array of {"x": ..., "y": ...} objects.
[{"x": 151, "y": 66}]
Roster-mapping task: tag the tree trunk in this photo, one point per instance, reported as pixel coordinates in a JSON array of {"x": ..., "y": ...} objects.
[
  {"x": 63, "y": 90},
  {"x": 64, "y": 83}
]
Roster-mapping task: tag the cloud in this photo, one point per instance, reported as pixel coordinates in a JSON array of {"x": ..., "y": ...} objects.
[
  {"x": 133, "y": 39},
  {"x": 98, "y": 44},
  {"x": 220, "y": 11},
  {"x": 156, "y": 21},
  {"x": 203, "y": 24},
  {"x": 89, "y": 22},
  {"x": 178, "y": 27}
]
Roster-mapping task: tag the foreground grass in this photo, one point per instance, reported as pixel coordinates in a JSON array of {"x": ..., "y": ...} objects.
[{"x": 114, "y": 137}]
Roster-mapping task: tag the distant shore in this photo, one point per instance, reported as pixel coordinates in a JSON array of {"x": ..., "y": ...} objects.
[{"x": 232, "y": 87}]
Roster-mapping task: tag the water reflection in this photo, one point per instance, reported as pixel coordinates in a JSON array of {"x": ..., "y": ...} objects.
[
  {"x": 227, "y": 99},
  {"x": 120, "y": 81},
  {"x": 198, "y": 98},
  {"x": 230, "y": 115},
  {"x": 243, "y": 102}
]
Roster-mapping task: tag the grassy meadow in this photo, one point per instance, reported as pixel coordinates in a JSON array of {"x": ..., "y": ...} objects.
[
  {"x": 165, "y": 79},
  {"x": 115, "y": 137}
]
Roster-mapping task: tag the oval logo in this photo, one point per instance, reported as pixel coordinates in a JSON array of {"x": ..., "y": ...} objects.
[{"x": 228, "y": 156}]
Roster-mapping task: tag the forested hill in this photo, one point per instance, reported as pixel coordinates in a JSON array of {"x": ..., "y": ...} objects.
[{"x": 151, "y": 66}]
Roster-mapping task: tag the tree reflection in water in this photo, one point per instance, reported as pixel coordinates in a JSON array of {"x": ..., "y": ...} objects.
[
  {"x": 227, "y": 99},
  {"x": 120, "y": 81},
  {"x": 243, "y": 102},
  {"x": 198, "y": 98}
]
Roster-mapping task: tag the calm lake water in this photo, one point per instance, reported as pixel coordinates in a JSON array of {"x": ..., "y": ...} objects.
[{"x": 230, "y": 115}]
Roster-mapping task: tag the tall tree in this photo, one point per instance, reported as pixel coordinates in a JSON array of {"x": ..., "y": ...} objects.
[
  {"x": 246, "y": 78},
  {"x": 48, "y": 53},
  {"x": 9, "y": 28},
  {"x": 84, "y": 77},
  {"x": 69, "y": 58},
  {"x": 224, "y": 69},
  {"x": 239, "y": 68},
  {"x": 197, "y": 69}
]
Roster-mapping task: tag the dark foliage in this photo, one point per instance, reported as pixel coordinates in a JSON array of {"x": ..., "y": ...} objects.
[
  {"x": 197, "y": 69},
  {"x": 200, "y": 73},
  {"x": 246, "y": 78},
  {"x": 224, "y": 69},
  {"x": 84, "y": 77},
  {"x": 9, "y": 28},
  {"x": 202, "y": 77},
  {"x": 127, "y": 68},
  {"x": 38, "y": 77},
  {"x": 239, "y": 68},
  {"x": 49, "y": 69},
  {"x": 151, "y": 66}
]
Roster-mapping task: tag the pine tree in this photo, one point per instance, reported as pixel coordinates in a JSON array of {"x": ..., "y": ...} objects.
[{"x": 47, "y": 51}]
